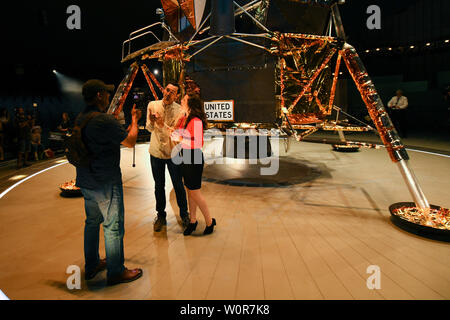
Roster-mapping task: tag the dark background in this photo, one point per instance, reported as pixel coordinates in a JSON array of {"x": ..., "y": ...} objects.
[{"x": 35, "y": 40}]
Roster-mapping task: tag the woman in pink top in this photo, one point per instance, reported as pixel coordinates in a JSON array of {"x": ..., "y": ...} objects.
[{"x": 191, "y": 139}]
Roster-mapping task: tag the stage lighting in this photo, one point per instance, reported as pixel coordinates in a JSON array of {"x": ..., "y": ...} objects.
[
  {"x": 428, "y": 44},
  {"x": 68, "y": 84},
  {"x": 156, "y": 72},
  {"x": 18, "y": 177}
]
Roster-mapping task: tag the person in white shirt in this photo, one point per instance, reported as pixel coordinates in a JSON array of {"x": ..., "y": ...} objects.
[
  {"x": 162, "y": 116},
  {"x": 398, "y": 108}
]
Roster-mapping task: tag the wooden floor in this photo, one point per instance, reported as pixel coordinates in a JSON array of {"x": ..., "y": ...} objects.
[{"x": 309, "y": 241}]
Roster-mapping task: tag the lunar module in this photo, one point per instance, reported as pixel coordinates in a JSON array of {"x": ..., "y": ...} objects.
[{"x": 271, "y": 66}]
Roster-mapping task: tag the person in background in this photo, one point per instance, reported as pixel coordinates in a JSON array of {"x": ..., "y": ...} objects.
[
  {"x": 23, "y": 124},
  {"x": 101, "y": 183},
  {"x": 4, "y": 122},
  {"x": 36, "y": 147},
  {"x": 447, "y": 100},
  {"x": 398, "y": 110},
  {"x": 65, "y": 125},
  {"x": 191, "y": 138}
]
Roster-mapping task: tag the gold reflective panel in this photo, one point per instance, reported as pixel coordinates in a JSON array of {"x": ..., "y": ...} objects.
[
  {"x": 172, "y": 13},
  {"x": 122, "y": 91},
  {"x": 375, "y": 106},
  {"x": 173, "y": 67},
  {"x": 304, "y": 76},
  {"x": 188, "y": 9}
]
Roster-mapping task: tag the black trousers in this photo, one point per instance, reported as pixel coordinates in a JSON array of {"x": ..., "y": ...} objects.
[
  {"x": 192, "y": 168},
  {"x": 400, "y": 120},
  {"x": 159, "y": 175}
]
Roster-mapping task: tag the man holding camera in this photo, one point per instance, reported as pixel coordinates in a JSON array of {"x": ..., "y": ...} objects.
[
  {"x": 163, "y": 116},
  {"x": 101, "y": 183}
]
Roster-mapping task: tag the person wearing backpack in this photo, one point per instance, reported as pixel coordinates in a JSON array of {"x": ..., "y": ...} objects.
[{"x": 100, "y": 181}]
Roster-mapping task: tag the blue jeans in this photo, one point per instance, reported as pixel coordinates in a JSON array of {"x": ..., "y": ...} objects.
[
  {"x": 159, "y": 175},
  {"x": 104, "y": 205}
]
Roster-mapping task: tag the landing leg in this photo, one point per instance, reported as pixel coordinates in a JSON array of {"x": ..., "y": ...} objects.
[{"x": 383, "y": 123}]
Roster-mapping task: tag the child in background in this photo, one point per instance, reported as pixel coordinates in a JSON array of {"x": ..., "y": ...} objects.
[{"x": 36, "y": 146}]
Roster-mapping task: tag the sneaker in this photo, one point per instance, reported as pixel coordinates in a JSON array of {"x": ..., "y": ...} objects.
[
  {"x": 210, "y": 229},
  {"x": 190, "y": 228},
  {"x": 126, "y": 276},
  {"x": 159, "y": 223},
  {"x": 100, "y": 267},
  {"x": 185, "y": 220}
]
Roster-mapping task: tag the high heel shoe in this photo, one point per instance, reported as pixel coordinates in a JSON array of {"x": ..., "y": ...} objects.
[
  {"x": 190, "y": 228},
  {"x": 210, "y": 229}
]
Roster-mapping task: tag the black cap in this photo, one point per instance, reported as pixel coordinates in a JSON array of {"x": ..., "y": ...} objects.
[{"x": 91, "y": 87}]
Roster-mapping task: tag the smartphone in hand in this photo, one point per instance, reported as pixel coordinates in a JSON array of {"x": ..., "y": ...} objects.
[{"x": 154, "y": 116}]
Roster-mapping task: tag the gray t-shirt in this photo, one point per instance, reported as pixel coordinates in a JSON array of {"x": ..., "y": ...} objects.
[{"x": 102, "y": 135}]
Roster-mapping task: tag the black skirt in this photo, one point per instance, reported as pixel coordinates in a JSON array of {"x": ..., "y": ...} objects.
[{"x": 192, "y": 168}]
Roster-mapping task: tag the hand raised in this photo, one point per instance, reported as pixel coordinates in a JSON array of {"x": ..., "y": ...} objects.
[{"x": 136, "y": 114}]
